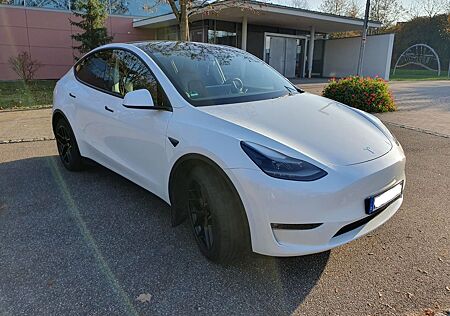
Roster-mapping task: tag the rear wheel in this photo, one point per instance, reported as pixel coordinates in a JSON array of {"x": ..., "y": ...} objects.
[
  {"x": 67, "y": 146},
  {"x": 216, "y": 215}
]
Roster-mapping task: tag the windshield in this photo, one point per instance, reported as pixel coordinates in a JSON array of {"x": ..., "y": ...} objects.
[{"x": 210, "y": 75}]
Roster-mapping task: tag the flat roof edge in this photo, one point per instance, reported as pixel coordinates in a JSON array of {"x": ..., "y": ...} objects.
[{"x": 275, "y": 8}]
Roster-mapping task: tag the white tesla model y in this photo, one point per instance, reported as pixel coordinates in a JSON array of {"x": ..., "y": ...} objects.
[{"x": 251, "y": 161}]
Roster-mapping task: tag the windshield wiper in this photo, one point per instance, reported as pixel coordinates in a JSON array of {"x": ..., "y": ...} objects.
[{"x": 291, "y": 90}]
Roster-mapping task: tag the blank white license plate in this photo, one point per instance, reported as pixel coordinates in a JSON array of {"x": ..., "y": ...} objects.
[{"x": 376, "y": 202}]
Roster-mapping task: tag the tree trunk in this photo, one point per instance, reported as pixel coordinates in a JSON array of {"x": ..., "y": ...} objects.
[{"x": 184, "y": 21}]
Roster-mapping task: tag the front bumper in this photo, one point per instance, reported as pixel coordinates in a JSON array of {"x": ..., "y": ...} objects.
[{"x": 334, "y": 201}]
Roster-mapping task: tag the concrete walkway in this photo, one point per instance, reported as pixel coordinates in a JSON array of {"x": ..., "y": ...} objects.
[
  {"x": 422, "y": 105},
  {"x": 25, "y": 125}
]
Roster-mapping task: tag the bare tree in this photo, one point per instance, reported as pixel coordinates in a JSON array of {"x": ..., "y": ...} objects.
[
  {"x": 339, "y": 7},
  {"x": 24, "y": 66},
  {"x": 432, "y": 7},
  {"x": 301, "y": 4},
  {"x": 428, "y": 8},
  {"x": 386, "y": 11},
  {"x": 414, "y": 9},
  {"x": 353, "y": 9},
  {"x": 349, "y": 8}
]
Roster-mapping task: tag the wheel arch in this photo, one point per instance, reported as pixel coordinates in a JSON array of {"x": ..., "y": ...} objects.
[
  {"x": 57, "y": 115},
  {"x": 180, "y": 171}
]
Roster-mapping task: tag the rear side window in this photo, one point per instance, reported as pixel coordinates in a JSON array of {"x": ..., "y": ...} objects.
[
  {"x": 118, "y": 72},
  {"x": 96, "y": 70}
]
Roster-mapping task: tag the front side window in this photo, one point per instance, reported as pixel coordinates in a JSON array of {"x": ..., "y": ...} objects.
[
  {"x": 130, "y": 74},
  {"x": 211, "y": 75}
]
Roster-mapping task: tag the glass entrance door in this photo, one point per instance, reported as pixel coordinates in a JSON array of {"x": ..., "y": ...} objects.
[
  {"x": 277, "y": 54},
  {"x": 285, "y": 54}
]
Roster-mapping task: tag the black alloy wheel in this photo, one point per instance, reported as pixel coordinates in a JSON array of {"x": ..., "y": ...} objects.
[
  {"x": 64, "y": 143},
  {"x": 216, "y": 214},
  {"x": 200, "y": 216},
  {"x": 67, "y": 146}
]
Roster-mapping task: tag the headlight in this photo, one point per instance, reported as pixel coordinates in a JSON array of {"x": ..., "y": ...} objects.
[{"x": 280, "y": 166}]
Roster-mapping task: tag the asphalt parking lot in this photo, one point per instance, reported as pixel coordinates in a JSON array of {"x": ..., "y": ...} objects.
[{"x": 91, "y": 242}]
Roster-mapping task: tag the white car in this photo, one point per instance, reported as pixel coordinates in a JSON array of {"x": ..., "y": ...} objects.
[{"x": 252, "y": 161}]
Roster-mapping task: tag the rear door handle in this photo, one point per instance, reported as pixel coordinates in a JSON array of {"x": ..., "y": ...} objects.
[
  {"x": 72, "y": 95},
  {"x": 108, "y": 109}
]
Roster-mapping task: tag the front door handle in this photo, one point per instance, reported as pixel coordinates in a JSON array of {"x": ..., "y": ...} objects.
[
  {"x": 108, "y": 109},
  {"x": 72, "y": 95}
]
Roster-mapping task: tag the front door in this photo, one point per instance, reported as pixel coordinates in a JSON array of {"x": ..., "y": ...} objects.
[{"x": 137, "y": 137}]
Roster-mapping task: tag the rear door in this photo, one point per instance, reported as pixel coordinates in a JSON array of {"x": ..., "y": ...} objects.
[{"x": 129, "y": 141}]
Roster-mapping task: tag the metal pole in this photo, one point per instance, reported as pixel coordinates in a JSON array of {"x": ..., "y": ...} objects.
[{"x": 363, "y": 39}]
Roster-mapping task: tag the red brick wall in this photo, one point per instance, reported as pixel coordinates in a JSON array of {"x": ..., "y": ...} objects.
[{"x": 46, "y": 35}]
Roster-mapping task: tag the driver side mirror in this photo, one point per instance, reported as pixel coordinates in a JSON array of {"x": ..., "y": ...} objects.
[{"x": 140, "y": 99}]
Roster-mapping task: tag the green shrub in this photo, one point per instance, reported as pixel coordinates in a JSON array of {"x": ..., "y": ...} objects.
[{"x": 367, "y": 94}]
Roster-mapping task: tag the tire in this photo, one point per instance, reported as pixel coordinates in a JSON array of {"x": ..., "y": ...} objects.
[
  {"x": 216, "y": 215},
  {"x": 67, "y": 146}
]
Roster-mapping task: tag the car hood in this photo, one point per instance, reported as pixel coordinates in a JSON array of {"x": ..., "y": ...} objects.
[{"x": 322, "y": 129}]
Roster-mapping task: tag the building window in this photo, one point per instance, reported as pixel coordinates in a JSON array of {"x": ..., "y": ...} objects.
[
  {"x": 167, "y": 33},
  {"x": 118, "y": 7},
  {"x": 197, "y": 35},
  {"x": 143, "y": 8},
  {"x": 50, "y": 4},
  {"x": 133, "y": 8},
  {"x": 226, "y": 38},
  {"x": 12, "y": 2},
  {"x": 223, "y": 33}
]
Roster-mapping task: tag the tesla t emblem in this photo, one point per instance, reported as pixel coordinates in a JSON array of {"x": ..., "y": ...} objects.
[{"x": 369, "y": 150}]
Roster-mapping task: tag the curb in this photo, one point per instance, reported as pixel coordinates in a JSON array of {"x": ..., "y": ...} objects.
[
  {"x": 26, "y": 108},
  {"x": 417, "y": 129},
  {"x": 26, "y": 140}
]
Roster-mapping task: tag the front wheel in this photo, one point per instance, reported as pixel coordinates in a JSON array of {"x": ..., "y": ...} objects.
[
  {"x": 67, "y": 146},
  {"x": 217, "y": 217}
]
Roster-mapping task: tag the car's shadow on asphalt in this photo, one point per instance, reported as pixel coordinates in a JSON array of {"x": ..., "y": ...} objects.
[{"x": 92, "y": 241}]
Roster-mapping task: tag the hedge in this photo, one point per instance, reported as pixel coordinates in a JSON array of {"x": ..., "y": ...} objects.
[{"x": 367, "y": 94}]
